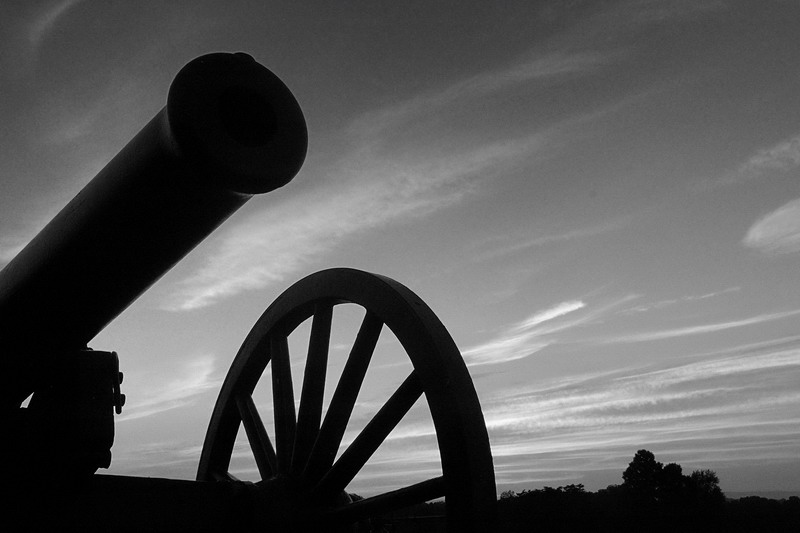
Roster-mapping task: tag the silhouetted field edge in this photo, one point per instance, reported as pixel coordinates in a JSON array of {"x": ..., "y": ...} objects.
[{"x": 653, "y": 497}]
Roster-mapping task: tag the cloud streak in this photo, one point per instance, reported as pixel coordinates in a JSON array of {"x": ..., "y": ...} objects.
[
  {"x": 741, "y": 401},
  {"x": 697, "y": 330},
  {"x": 549, "y": 314},
  {"x": 778, "y": 232},
  {"x": 777, "y": 159},
  {"x": 781, "y": 157},
  {"x": 46, "y": 21},
  {"x": 556, "y": 238},
  {"x": 538, "y": 331},
  {"x": 371, "y": 193},
  {"x": 674, "y": 301},
  {"x": 522, "y": 339},
  {"x": 196, "y": 377},
  {"x": 543, "y": 68}
]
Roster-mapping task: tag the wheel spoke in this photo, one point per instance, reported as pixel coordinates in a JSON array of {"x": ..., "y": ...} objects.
[
  {"x": 344, "y": 398},
  {"x": 358, "y": 453},
  {"x": 390, "y": 501},
  {"x": 224, "y": 477},
  {"x": 309, "y": 414},
  {"x": 283, "y": 401},
  {"x": 257, "y": 436}
]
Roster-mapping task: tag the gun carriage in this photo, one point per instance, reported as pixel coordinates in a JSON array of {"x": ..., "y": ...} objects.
[{"x": 230, "y": 130}]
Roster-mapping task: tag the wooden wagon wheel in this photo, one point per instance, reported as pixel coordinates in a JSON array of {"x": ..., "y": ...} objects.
[{"x": 301, "y": 484}]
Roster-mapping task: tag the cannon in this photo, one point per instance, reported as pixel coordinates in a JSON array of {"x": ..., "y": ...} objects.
[{"x": 230, "y": 130}]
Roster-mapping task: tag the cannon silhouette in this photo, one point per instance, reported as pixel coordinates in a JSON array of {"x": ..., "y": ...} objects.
[{"x": 230, "y": 130}]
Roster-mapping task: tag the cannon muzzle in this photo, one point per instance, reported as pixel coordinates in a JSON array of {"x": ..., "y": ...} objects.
[{"x": 230, "y": 129}]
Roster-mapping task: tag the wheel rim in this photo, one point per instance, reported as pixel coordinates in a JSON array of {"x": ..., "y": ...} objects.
[{"x": 300, "y": 479}]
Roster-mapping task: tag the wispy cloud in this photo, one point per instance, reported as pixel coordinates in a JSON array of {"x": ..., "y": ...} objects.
[
  {"x": 524, "y": 338},
  {"x": 741, "y": 402},
  {"x": 24, "y": 27},
  {"x": 370, "y": 193},
  {"x": 674, "y": 301},
  {"x": 47, "y": 20},
  {"x": 196, "y": 377},
  {"x": 549, "y": 314},
  {"x": 682, "y": 392},
  {"x": 624, "y": 21},
  {"x": 779, "y": 158},
  {"x": 779, "y": 231},
  {"x": 540, "y": 68},
  {"x": 538, "y": 331},
  {"x": 696, "y": 330},
  {"x": 555, "y": 238},
  {"x": 749, "y": 362}
]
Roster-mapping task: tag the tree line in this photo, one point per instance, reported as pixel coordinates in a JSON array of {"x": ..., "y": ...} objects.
[{"x": 652, "y": 497}]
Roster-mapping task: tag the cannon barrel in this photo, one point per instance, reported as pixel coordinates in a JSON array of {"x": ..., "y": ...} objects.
[{"x": 230, "y": 129}]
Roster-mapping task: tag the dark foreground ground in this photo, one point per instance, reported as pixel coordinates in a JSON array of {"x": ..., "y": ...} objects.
[{"x": 610, "y": 510}]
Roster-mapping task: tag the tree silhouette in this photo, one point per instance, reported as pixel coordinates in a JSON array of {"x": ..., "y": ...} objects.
[
  {"x": 703, "y": 486},
  {"x": 671, "y": 485},
  {"x": 659, "y": 493},
  {"x": 643, "y": 476}
]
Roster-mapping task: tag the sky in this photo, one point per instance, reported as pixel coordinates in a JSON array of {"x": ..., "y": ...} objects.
[{"x": 599, "y": 199}]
